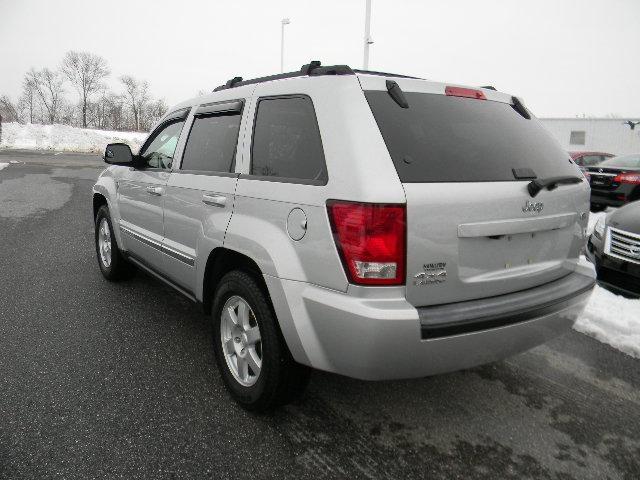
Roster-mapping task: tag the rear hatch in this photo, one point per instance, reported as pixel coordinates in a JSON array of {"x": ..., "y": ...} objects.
[{"x": 473, "y": 228}]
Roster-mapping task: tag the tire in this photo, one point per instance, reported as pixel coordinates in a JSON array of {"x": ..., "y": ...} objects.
[
  {"x": 116, "y": 268},
  {"x": 279, "y": 379},
  {"x": 598, "y": 208}
]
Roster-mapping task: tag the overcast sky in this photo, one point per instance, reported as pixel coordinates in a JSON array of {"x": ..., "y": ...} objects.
[{"x": 564, "y": 57}]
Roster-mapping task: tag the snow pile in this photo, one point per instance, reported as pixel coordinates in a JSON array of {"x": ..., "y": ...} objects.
[
  {"x": 613, "y": 320},
  {"x": 610, "y": 318},
  {"x": 3, "y": 165},
  {"x": 64, "y": 138}
]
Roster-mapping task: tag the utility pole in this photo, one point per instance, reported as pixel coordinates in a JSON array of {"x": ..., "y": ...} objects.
[
  {"x": 285, "y": 21},
  {"x": 367, "y": 35}
]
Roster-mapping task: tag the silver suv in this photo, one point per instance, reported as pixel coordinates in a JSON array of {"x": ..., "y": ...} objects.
[{"x": 373, "y": 225}]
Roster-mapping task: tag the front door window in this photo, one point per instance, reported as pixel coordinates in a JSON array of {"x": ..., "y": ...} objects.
[{"x": 160, "y": 148}]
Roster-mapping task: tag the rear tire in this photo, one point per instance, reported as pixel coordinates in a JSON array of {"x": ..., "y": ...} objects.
[
  {"x": 598, "y": 208},
  {"x": 252, "y": 356},
  {"x": 112, "y": 264}
]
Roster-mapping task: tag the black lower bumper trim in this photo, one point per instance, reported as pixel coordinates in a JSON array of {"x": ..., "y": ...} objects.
[{"x": 476, "y": 315}]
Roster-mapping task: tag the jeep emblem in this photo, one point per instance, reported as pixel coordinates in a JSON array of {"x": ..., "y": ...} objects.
[{"x": 533, "y": 207}]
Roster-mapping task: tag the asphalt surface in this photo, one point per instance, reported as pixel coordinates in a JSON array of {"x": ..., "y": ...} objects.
[{"x": 103, "y": 380}]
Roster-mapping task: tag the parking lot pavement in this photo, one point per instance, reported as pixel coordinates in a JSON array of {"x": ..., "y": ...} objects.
[{"x": 102, "y": 380}]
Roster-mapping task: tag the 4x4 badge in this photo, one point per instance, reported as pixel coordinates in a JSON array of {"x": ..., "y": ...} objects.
[
  {"x": 533, "y": 207},
  {"x": 433, "y": 273}
]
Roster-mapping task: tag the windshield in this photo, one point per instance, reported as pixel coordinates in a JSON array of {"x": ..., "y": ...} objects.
[
  {"x": 626, "y": 161},
  {"x": 451, "y": 139}
]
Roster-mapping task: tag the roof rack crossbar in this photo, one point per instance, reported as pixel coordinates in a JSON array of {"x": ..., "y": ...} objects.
[
  {"x": 313, "y": 68},
  {"x": 385, "y": 74},
  {"x": 310, "y": 67}
]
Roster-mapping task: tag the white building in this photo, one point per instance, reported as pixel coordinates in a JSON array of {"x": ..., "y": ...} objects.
[{"x": 610, "y": 135}]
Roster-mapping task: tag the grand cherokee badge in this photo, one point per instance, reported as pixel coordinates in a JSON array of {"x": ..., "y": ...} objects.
[{"x": 433, "y": 273}]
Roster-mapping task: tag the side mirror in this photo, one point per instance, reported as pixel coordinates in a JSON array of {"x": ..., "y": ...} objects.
[{"x": 118, "y": 154}]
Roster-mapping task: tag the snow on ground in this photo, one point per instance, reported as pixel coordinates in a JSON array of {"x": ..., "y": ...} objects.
[
  {"x": 3, "y": 165},
  {"x": 613, "y": 320},
  {"x": 64, "y": 138},
  {"x": 610, "y": 318}
]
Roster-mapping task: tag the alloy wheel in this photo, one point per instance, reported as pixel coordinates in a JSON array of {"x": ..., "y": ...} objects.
[{"x": 241, "y": 340}]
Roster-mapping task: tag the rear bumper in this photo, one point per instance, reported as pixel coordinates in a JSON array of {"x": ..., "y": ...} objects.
[
  {"x": 612, "y": 198},
  {"x": 372, "y": 338}
]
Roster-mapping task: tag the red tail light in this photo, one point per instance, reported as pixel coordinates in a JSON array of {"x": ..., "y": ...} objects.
[
  {"x": 464, "y": 92},
  {"x": 633, "y": 178},
  {"x": 371, "y": 240}
]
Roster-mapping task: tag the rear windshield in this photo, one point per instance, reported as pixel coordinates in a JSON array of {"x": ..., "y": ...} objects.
[
  {"x": 626, "y": 161},
  {"x": 452, "y": 139}
]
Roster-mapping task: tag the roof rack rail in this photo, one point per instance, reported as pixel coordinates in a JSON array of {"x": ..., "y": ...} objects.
[{"x": 313, "y": 68}]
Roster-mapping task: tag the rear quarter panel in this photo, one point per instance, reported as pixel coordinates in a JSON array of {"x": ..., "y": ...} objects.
[{"x": 359, "y": 169}]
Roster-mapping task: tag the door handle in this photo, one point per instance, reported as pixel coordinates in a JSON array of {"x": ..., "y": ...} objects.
[
  {"x": 155, "y": 191},
  {"x": 214, "y": 200}
]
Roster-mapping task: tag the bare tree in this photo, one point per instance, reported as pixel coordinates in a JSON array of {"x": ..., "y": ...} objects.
[
  {"x": 100, "y": 110},
  {"x": 8, "y": 111},
  {"x": 48, "y": 85},
  {"x": 85, "y": 71},
  {"x": 136, "y": 97},
  {"x": 28, "y": 99},
  {"x": 155, "y": 111},
  {"x": 67, "y": 113},
  {"x": 116, "y": 113}
]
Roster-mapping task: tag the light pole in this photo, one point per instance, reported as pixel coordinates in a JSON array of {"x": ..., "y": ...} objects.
[
  {"x": 284, "y": 21},
  {"x": 367, "y": 35}
]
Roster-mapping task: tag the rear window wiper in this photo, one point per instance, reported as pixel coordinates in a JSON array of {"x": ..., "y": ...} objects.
[
  {"x": 397, "y": 94},
  {"x": 550, "y": 183},
  {"x": 519, "y": 107}
]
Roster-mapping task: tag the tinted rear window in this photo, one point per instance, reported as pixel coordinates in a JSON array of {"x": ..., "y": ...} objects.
[
  {"x": 626, "y": 161},
  {"x": 452, "y": 139},
  {"x": 211, "y": 145}
]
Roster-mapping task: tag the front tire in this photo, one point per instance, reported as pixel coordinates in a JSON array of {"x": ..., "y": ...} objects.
[
  {"x": 112, "y": 264},
  {"x": 254, "y": 361}
]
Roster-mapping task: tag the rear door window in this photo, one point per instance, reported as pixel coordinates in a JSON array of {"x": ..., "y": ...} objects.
[
  {"x": 452, "y": 139},
  {"x": 211, "y": 145},
  {"x": 286, "y": 141}
]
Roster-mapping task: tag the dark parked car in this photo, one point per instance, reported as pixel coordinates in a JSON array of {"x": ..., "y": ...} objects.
[
  {"x": 614, "y": 182},
  {"x": 589, "y": 159},
  {"x": 614, "y": 248}
]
